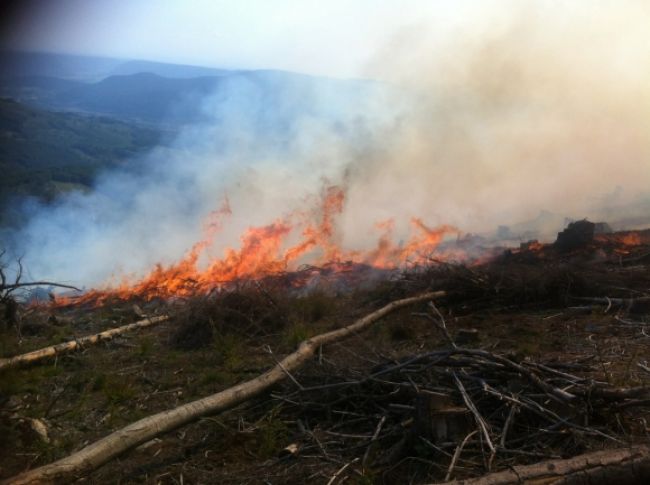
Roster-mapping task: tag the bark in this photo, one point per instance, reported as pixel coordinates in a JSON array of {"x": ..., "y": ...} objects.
[
  {"x": 625, "y": 466},
  {"x": 96, "y": 454},
  {"x": 65, "y": 347}
]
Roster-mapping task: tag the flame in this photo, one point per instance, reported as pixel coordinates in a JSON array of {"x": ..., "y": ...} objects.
[
  {"x": 306, "y": 244},
  {"x": 268, "y": 250},
  {"x": 631, "y": 239},
  {"x": 626, "y": 241}
]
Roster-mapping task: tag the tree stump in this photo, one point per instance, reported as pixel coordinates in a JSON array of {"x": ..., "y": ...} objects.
[{"x": 439, "y": 420}]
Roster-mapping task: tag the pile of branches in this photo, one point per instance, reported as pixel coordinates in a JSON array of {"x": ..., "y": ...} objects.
[
  {"x": 455, "y": 413},
  {"x": 505, "y": 283}
]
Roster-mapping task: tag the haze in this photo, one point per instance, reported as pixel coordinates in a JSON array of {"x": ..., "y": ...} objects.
[{"x": 334, "y": 38}]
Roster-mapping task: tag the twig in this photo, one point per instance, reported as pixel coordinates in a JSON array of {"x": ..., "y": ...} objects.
[
  {"x": 630, "y": 322},
  {"x": 15, "y": 286},
  {"x": 459, "y": 450},
  {"x": 642, "y": 366},
  {"x": 284, "y": 369},
  {"x": 372, "y": 440},
  {"x": 440, "y": 323},
  {"x": 609, "y": 304},
  {"x": 477, "y": 416},
  {"x": 341, "y": 470},
  {"x": 506, "y": 426}
]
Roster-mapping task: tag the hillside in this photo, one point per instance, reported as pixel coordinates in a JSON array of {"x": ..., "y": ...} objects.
[
  {"x": 169, "y": 94},
  {"x": 45, "y": 153},
  {"x": 538, "y": 354},
  {"x": 142, "y": 96},
  {"x": 64, "y": 66},
  {"x": 167, "y": 70}
]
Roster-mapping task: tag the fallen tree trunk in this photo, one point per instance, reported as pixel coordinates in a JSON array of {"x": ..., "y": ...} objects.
[
  {"x": 65, "y": 347},
  {"x": 625, "y": 466},
  {"x": 96, "y": 454}
]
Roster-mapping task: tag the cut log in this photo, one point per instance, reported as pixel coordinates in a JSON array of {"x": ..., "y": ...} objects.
[
  {"x": 96, "y": 454},
  {"x": 626, "y": 466},
  {"x": 65, "y": 347}
]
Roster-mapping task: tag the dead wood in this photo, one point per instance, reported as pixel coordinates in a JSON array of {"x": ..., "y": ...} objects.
[
  {"x": 96, "y": 454},
  {"x": 626, "y": 466},
  {"x": 522, "y": 411},
  {"x": 7, "y": 288},
  {"x": 65, "y": 347},
  {"x": 15, "y": 286}
]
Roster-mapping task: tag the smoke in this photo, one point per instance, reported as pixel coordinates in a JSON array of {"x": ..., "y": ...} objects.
[
  {"x": 502, "y": 115},
  {"x": 544, "y": 107},
  {"x": 273, "y": 141}
]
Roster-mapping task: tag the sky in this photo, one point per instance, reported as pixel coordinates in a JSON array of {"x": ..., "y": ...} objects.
[
  {"x": 336, "y": 37},
  {"x": 339, "y": 38}
]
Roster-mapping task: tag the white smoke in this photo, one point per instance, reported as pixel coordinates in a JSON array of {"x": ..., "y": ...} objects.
[{"x": 507, "y": 115}]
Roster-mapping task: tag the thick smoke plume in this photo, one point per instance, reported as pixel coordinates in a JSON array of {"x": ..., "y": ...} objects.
[{"x": 478, "y": 124}]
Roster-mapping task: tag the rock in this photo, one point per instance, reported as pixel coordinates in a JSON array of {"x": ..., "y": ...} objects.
[{"x": 290, "y": 450}]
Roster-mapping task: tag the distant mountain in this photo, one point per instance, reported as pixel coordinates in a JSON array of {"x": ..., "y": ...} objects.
[
  {"x": 38, "y": 91},
  {"x": 64, "y": 66},
  {"x": 179, "y": 71},
  {"x": 142, "y": 96},
  {"x": 151, "y": 98},
  {"x": 92, "y": 69},
  {"x": 43, "y": 153}
]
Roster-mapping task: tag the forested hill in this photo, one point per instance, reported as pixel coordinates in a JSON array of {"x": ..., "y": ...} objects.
[
  {"x": 65, "y": 118},
  {"x": 44, "y": 153},
  {"x": 168, "y": 94}
]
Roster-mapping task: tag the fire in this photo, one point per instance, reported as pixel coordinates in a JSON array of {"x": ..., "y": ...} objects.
[
  {"x": 626, "y": 241},
  {"x": 268, "y": 250},
  {"x": 631, "y": 239},
  {"x": 306, "y": 244}
]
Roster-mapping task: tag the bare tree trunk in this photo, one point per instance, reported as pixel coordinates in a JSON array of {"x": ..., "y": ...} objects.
[
  {"x": 96, "y": 454},
  {"x": 625, "y": 466},
  {"x": 65, "y": 347}
]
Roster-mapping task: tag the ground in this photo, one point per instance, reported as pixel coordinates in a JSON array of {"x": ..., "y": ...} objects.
[{"x": 347, "y": 410}]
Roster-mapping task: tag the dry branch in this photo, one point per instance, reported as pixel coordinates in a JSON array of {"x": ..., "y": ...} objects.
[
  {"x": 15, "y": 286},
  {"x": 65, "y": 347},
  {"x": 624, "y": 466},
  {"x": 96, "y": 454}
]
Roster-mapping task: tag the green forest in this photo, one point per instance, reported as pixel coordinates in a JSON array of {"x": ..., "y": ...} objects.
[{"x": 45, "y": 153}]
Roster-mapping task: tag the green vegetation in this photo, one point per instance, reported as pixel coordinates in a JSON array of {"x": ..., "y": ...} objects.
[{"x": 44, "y": 154}]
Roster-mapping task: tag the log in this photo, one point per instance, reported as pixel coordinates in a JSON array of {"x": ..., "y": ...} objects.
[
  {"x": 65, "y": 347},
  {"x": 100, "y": 452},
  {"x": 625, "y": 466}
]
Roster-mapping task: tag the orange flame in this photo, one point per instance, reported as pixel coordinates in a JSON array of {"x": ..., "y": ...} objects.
[{"x": 265, "y": 251}]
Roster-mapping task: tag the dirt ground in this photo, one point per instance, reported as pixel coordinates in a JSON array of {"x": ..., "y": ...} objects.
[{"x": 365, "y": 428}]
